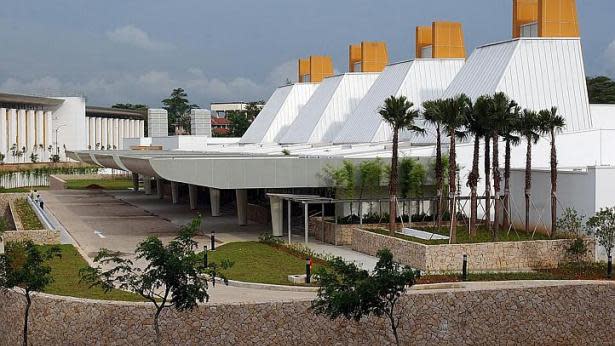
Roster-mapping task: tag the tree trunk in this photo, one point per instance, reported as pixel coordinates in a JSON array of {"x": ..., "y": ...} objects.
[
  {"x": 393, "y": 184},
  {"x": 452, "y": 181},
  {"x": 473, "y": 182},
  {"x": 528, "y": 183},
  {"x": 496, "y": 184},
  {"x": 157, "y": 326},
  {"x": 439, "y": 177},
  {"x": 25, "y": 321},
  {"x": 506, "y": 221},
  {"x": 553, "y": 184},
  {"x": 487, "y": 165}
]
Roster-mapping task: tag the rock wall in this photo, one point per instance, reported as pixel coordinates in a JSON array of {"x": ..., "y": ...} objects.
[
  {"x": 502, "y": 256},
  {"x": 39, "y": 237},
  {"x": 259, "y": 214},
  {"x": 574, "y": 313}
]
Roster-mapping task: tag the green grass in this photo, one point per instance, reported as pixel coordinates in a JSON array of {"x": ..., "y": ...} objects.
[
  {"x": 463, "y": 237},
  {"x": 29, "y": 220},
  {"x": 260, "y": 262},
  {"x": 65, "y": 271},
  {"x": 23, "y": 189},
  {"x": 106, "y": 184}
]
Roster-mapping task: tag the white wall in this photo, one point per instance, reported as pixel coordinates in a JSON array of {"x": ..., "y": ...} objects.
[{"x": 70, "y": 119}]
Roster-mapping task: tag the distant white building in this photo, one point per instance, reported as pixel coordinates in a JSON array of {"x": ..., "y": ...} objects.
[{"x": 220, "y": 109}]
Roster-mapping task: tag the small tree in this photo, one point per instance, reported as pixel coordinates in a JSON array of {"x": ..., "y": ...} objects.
[
  {"x": 344, "y": 179},
  {"x": 602, "y": 226},
  {"x": 23, "y": 265},
  {"x": 2, "y": 156},
  {"x": 572, "y": 222},
  {"x": 352, "y": 293},
  {"x": 371, "y": 173},
  {"x": 174, "y": 275},
  {"x": 34, "y": 158}
]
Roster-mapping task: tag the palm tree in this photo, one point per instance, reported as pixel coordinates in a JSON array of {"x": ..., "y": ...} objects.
[
  {"x": 484, "y": 104},
  {"x": 433, "y": 114},
  {"x": 509, "y": 130},
  {"x": 552, "y": 123},
  {"x": 454, "y": 119},
  {"x": 529, "y": 127},
  {"x": 398, "y": 112},
  {"x": 477, "y": 120}
]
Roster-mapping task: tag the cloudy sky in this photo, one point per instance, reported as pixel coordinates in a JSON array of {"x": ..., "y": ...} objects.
[{"x": 136, "y": 51}]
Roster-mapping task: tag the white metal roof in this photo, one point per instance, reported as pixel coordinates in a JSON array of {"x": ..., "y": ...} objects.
[
  {"x": 329, "y": 108},
  {"x": 538, "y": 73},
  {"x": 279, "y": 112},
  {"x": 419, "y": 80}
]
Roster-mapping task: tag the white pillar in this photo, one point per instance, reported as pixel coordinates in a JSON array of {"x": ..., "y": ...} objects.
[
  {"x": 159, "y": 191},
  {"x": 241, "y": 197},
  {"x": 4, "y": 134},
  {"x": 214, "y": 200},
  {"x": 21, "y": 129},
  {"x": 98, "y": 133},
  {"x": 175, "y": 192},
  {"x": 120, "y": 131},
  {"x": 48, "y": 126},
  {"x": 12, "y": 130},
  {"x": 193, "y": 192},
  {"x": 30, "y": 130},
  {"x": 147, "y": 184},
  {"x": 126, "y": 128},
  {"x": 92, "y": 136},
  {"x": 277, "y": 216},
  {"x": 110, "y": 133},
  {"x": 116, "y": 134},
  {"x": 104, "y": 134},
  {"x": 40, "y": 134},
  {"x": 141, "y": 128}
]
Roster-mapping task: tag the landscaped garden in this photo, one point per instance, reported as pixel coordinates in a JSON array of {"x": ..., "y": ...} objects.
[
  {"x": 102, "y": 184},
  {"x": 28, "y": 218}
]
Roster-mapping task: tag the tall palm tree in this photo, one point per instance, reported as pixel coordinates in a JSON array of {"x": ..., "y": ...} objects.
[
  {"x": 529, "y": 128},
  {"x": 509, "y": 131},
  {"x": 433, "y": 114},
  {"x": 476, "y": 126},
  {"x": 485, "y": 104},
  {"x": 552, "y": 123},
  {"x": 400, "y": 114},
  {"x": 454, "y": 119}
]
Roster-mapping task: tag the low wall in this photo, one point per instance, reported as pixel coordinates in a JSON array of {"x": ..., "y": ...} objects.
[
  {"x": 259, "y": 214},
  {"x": 500, "y": 256},
  {"x": 39, "y": 237},
  {"x": 575, "y": 313},
  {"x": 338, "y": 234}
]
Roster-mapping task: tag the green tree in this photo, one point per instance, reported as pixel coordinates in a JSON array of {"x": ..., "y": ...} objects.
[
  {"x": 509, "y": 134},
  {"x": 23, "y": 265},
  {"x": 602, "y": 226},
  {"x": 412, "y": 176},
  {"x": 551, "y": 124},
  {"x": 433, "y": 114},
  {"x": 344, "y": 180},
  {"x": 174, "y": 275},
  {"x": 352, "y": 293},
  {"x": 529, "y": 129},
  {"x": 253, "y": 109},
  {"x": 178, "y": 108},
  {"x": 400, "y": 114},
  {"x": 601, "y": 90},
  {"x": 130, "y": 106},
  {"x": 405, "y": 167},
  {"x": 239, "y": 123}
]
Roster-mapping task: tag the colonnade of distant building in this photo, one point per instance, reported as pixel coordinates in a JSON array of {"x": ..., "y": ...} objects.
[
  {"x": 108, "y": 133},
  {"x": 25, "y": 131}
]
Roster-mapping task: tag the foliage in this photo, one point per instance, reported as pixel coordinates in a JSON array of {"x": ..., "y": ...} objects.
[
  {"x": 3, "y": 225},
  {"x": 343, "y": 178},
  {"x": 601, "y": 90},
  {"x": 106, "y": 184},
  {"x": 174, "y": 275},
  {"x": 571, "y": 221},
  {"x": 352, "y": 293},
  {"x": 2, "y": 156},
  {"x": 371, "y": 173},
  {"x": 178, "y": 108},
  {"x": 412, "y": 178},
  {"x": 130, "y": 106},
  {"x": 285, "y": 152},
  {"x": 602, "y": 226},
  {"x": 24, "y": 266},
  {"x": 239, "y": 123},
  {"x": 28, "y": 218}
]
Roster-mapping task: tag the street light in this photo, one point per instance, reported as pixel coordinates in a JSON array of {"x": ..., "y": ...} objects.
[{"x": 58, "y": 147}]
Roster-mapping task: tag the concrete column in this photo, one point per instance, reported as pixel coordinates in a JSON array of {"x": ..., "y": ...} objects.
[
  {"x": 131, "y": 128},
  {"x": 175, "y": 192},
  {"x": 30, "y": 130},
  {"x": 135, "y": 182},
  {"x": 193, "y": 192},
  {"x": 21, "y": 129},
  {"x": 159, "y": 188},
  {"x": 98, "y": 136},
  {"x": 110, "y": 133},
  {"x": 104, "y": 135},
  {"x": 120, "y": 133},
  {"x": 11, "y": 125},
  {"x": 147, "y": 184},
  {"x": 48, "y": 126},
  {"x": 40, "y": 135},
  {"x": 277, "y": 216},
  {"x": 241, "y": 197},
  {"x": 4, "y": 134},
  {"x": 116, "y": 134},
  {"x": 141, "y": 128},
  {"x": 214, "y": 200},
  {"x": 92, "y": 135}
]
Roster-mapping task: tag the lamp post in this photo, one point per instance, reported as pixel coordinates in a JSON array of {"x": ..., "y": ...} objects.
[{"x": 57, "y": 146}]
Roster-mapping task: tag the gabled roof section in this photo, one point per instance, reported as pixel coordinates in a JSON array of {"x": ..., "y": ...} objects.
[
  {"x": 279, "y": 113},
  {"x": 329, "y": 108},
  {"x": 419, "y": 80},
  {"x": 538, "y": 73}
]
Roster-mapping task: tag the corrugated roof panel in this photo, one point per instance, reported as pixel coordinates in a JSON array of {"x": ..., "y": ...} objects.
[
  {"x": 279, "y": 112},
  {"x": 324, "y": 115}
]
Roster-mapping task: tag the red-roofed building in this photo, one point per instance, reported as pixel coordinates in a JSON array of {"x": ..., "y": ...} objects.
[{"x": 220, "y": 126}]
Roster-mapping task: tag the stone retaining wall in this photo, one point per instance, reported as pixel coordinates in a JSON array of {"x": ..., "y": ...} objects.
[
  {"x": 259, "y": 214},
  {"x": 575, "y": 313},
  {"x": 337, "y": 234},
  {"x": 501, "y": 256},
  {"x": 39, "y": 237}
]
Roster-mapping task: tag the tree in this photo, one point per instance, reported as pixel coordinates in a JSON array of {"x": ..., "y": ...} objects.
[
  {"x": 2, "y": 156},
  {"x": 352, "y": 293},
  {"x": 509, "y": 133},
  {"x": 551, "y": 124},
  {"x": 370, "y": 177},
  {"x": 130, "y": 106},
  {"x": 398, "y": 112},
  {"x": 178, "y": 108},
  {"x": 601, "y": 90},
  {"x": 253, "y": 109},
  {"x": 454, "y": 120},
  {"x": 602, "y": 226},
  {"x": 529, "y": 129},
  {"x": 344, "y": 180},
  {"x": 477, "y": 122},
  {"x": 433, "y": 113},
  {"x": 174, "y": 275},
  {"x": 23, "y": 265},
  {"x": 239, "y": 123}
]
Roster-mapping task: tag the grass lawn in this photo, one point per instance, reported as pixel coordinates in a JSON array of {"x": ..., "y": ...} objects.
[
  {"x": 65, "y": 271},
  {"x": 260, "y": 262},
  {"x": 23, "y": 189},
  {"x": 29, "y": 220},
  {"x": 106, "y": 184},
  {"x": 463, "y": 237}
]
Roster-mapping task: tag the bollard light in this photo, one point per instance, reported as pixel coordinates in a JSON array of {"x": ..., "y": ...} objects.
[
  {"x": 213, "y": 241},
  {"x": 609, "y": 269},
  {"x": 308, "y": 269},
  {"x": 464, "y": 269}
]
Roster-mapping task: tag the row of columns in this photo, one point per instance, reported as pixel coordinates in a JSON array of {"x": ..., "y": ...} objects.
[
  {"x": 241, "y": 196},
  {"x": 27, "y": 131},
  {"x": 109, "y": 133}
]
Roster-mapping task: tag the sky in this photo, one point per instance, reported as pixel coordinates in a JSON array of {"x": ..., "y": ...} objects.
[{"x": 137, "y": 51}]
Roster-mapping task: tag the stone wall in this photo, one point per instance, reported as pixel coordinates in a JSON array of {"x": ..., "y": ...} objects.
[
  {"x": 39, "y": 237},
  {"x": 259, "y": 214},
  {"x": 5, "y": 209},
  {"x": 501, "y": 256},
  {"x": 573, "y": 313},
  {"x": 337, "y": 234}
]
